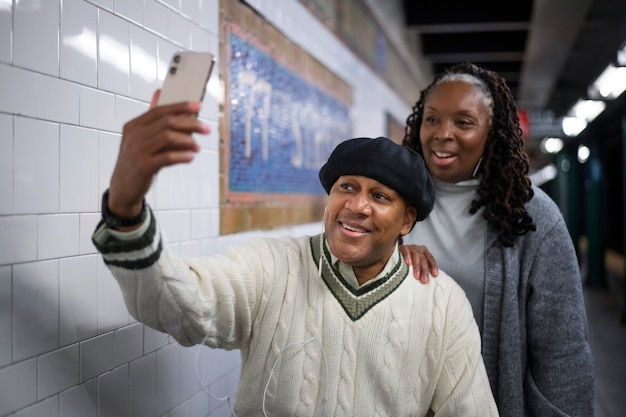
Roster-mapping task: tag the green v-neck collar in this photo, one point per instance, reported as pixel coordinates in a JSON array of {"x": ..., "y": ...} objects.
[{"x": 355, "y": 302}]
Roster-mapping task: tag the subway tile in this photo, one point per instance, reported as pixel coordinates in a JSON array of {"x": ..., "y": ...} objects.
[
  {"x": 204, "y": 180},
  {"x": 172, "y": 4},
  {"x": 112, "y": 312},
  {"x": 154, "y": 339},
  {"x": 190, "y": 382},
  {"x": 155, "y": 17},
  {"x": 78, "y": 49},
  {"x": 57, "y": 371},
  {"x": 78, "y": 169},
  {"x": 19, "y": 386},
  {"x": 6, "y": 315},
  {"x": 200, "y": 40},
  {"x": 80, "y": 400},
  {"x": 128, "y": 343},
  {"x": 46, "y": 408},
  {"x": 168, "y": 378},
  {"x": 37, "y": 50},
  {"x": 142, "y": 382},
  {"x": 6, "y": 164},
  {"x": 213, "y": 364},
  {"x": 97, "y": 109},
  {"x": 57, "y": 100},
  {"x": 190, "y": 9},
  {"x": 78, "y": 292},
  {"x": 179, "y": 30},
  {"x": 36, "y": 166},
  {"x": 96, "y": 356},
  {"x": 200, "y": 404},
  {"x": 113, "y": 393},
  {"x": 131, "y": 10},
  {"x": 200, "y": 224},
  {"x": 105, "y": 4},
  {"x": 127, "y": 109},
  {"x": 209, "y": 15},
  {"x": 88, "y": 223},
  {"x": 109, "y": 147},
  {"x": 19, "y": 91},
  {"x": 113, "y": 54},
  {"x": 143, "y": 64},
  {"x": 36, "y": 324},
  {"x": 181, "y": 410},
  {"x": 18, "y": 242},
  {"x": 6, "y": 30},
  {"x": 191, "y": 248},
  {"x": 57, "y": 235},
  {"x": 176, "y": 224}
]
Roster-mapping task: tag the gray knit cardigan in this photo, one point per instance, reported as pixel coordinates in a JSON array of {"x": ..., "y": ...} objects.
[{"x": 535, "y": 344}]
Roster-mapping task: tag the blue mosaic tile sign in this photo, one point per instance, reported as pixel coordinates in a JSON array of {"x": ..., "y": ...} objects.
[{"x": 282, "y": 128}]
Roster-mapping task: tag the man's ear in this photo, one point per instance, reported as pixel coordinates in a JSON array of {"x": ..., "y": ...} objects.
[{"x": 410, "y": 216}]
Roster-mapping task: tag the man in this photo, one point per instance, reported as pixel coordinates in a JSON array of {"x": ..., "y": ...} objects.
[{"x": 328, "y": 325}]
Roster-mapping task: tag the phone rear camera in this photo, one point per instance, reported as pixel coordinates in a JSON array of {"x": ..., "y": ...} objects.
[
  {"x": 173, "y": 70},
  {"x": 177, "y": 58}
]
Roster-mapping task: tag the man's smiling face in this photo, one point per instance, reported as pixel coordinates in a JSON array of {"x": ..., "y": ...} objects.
[{"x": 363, "y": 221}]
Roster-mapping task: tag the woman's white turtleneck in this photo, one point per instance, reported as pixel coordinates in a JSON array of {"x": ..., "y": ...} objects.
[{"x": 456, "y": 239}]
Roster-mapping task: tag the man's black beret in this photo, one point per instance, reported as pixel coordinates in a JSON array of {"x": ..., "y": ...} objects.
[{"x": 393, "y": 165}]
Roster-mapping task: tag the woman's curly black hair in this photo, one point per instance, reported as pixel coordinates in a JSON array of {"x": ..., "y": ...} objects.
[{"x": 504, "y": 183}]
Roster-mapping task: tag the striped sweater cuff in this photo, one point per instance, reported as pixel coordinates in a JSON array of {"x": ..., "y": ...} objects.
[{"x": 138, "y": 249}]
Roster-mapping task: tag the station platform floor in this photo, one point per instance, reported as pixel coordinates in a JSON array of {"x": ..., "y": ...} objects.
[{"x": 607, "y": 336}]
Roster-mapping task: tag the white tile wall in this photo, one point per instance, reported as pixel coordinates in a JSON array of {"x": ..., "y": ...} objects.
[
  {"x": 79, "y": 48},
  {"x": 57, "y": 99},
  {"x": 36, "y": 166},
  {"x": 72, "y": 72},
  {"x": 78, "y": 177},
  {"x": 6, "y": 350},
  {"x": 78, "y": 289},
  {"x": 19, "y": 91},
  {"x": 37, "y": 50},
  {"x": 6, "y": 164},
  {"x": 96, "y": 356},
  {"x": 78, "y": 401},
  {"x": 18, "y": 240},
  {"x": 46, "y": 408},
  {"x": 142, "y": 384},
  {"x": 57, "y": 236},
  {"x": 113, "y": 393},
  {"x": 35, "y": 309},
  {"x": 19, "y": 386},
  {"x": 57, "y": 371},
  {"x": 6, "y": 45},
  {"x": 128, "y": 344}
]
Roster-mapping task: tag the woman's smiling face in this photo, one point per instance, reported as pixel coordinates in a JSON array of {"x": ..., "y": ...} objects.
[{"x": 456, "y": 122}]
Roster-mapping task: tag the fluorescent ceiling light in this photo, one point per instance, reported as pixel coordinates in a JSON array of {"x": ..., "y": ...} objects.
[
  {"x": 583, "y": 154},
  {"x": 621, "y": 55},
  {"x": 572, "y": 126},
  {"x": 611, "y": 83},
  {"x": 587, "y": 109},
  {"x": 551, "y": 145}
]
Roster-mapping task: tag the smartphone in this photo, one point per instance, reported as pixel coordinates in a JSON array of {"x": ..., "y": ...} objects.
[{"x": 187, "y": 77}]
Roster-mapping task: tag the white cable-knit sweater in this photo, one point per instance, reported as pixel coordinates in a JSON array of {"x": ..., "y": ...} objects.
[{"x": 322, "y": 348}]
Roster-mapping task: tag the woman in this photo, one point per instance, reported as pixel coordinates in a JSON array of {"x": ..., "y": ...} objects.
[{"x": 505, "y": 242}]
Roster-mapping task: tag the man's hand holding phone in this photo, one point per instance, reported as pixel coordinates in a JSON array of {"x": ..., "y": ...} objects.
[{"x": 161, "y": 137}]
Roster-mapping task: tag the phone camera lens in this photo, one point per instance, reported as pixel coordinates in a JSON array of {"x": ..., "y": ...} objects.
[
  {"x": 177, "y": 58},
  {"x": 173, "y": 70}
]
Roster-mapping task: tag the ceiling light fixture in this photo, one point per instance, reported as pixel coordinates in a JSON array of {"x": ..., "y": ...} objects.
[{"x": 611, "y": 83}]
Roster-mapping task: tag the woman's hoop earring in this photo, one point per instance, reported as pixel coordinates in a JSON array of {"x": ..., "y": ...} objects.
[{"x": 475, "y": 173}]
